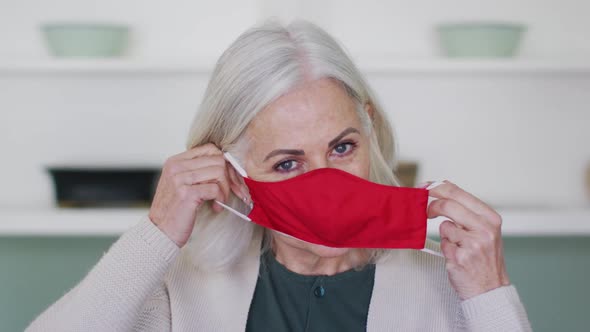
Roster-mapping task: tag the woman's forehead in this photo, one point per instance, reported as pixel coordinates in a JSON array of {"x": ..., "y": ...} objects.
[{"x": 317, "y": 108}]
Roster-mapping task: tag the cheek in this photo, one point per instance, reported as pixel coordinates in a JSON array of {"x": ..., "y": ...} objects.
[
  {"x": 364, "y": 162},
  {"x": 359, "y": 165}
]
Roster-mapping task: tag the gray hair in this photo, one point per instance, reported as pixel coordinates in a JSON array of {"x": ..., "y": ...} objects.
[{"x": 262, "y": 64}]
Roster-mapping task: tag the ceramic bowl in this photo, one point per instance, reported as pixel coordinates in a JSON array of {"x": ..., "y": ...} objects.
[
  {"x": 86, "y": 40},
  {"x": 480, "y": 39}
]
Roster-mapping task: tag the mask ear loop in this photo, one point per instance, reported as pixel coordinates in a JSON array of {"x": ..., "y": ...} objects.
[
  {"x": 426, "y": 250},
  {"x": 243, "y": 173},
  {"x": 235, "y": 164}
]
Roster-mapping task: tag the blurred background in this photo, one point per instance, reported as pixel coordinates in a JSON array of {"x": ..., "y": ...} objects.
[{"x": 492, "y": 95}]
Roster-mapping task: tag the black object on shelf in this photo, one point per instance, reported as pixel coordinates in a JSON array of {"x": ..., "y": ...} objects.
[
  {"x": 104, "y": 187},
  {"x": 406, "y": 173}
]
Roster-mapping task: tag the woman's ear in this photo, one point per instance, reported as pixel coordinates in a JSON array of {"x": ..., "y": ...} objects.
[{"x": 369, "y": 109}]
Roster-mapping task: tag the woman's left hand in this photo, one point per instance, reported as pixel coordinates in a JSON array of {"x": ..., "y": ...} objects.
[{"x": 471, "y": 242}]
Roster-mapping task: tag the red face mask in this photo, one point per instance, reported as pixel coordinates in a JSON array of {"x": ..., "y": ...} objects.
[{"x": 334, "y": 208}]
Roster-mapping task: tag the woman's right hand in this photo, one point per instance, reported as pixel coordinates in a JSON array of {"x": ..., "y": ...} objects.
[{"x": 188, "y": 180}]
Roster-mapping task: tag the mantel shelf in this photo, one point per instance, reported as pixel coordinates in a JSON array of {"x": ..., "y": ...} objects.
[
  {"x": 387, "y": 66},
  {"x": 115, "y": 221}
]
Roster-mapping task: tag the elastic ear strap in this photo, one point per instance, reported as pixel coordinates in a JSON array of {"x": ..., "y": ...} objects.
[
  {"x": 230, "y": 209},
  {"x": 235, "y": 164},
  {"x": 432, "y": 252},
  {"x": 243, "y": 216}
]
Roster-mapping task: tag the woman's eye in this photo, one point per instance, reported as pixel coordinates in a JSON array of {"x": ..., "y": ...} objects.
[
  {"x": 285, "y": 166},
  {"x": 343, "y": 148}
]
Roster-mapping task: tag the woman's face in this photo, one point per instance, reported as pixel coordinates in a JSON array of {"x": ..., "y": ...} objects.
[{"x": 312, "y": 126}]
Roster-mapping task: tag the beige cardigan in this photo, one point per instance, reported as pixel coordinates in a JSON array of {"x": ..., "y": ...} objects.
[{"x": 146, "y": 283}]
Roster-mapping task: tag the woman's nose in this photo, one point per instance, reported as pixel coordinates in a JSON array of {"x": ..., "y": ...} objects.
[{"x": 320, "y": 162}]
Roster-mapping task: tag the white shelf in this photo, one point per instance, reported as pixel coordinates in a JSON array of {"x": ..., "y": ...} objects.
[
  {"x": 105, "y": 66},
  {"x": 475, "y": 66},
  {"x": 68, "y": 222},
  {"x": 367, "y": 65},
  {"x": 113, "y": 222},
  {"x": 537, "y": 222}
]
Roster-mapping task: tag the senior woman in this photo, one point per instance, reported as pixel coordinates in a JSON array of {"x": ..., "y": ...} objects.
[{"x": 285, "y": 101}]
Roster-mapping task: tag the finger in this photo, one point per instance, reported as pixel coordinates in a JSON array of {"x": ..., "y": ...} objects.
[
  {"x": 449, "y": 249},
  {"x": 183, "y": 165},
  {"x": 450, "y": 190},
  {"x": 200, "y": 193},
  {"x": 449, "y": 230},
  {"x": 457, "y": 212},
  {"x": 208, "y": 149},
  {"x": 211, "y": 174}
]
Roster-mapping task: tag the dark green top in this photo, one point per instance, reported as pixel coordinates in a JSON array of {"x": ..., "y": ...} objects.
[{"x": 286, "y": 301}]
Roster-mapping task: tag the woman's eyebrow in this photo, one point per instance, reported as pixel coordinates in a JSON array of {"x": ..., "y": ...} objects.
[
  {"x": 284, "y": 151},
  {"x": 301, "y": 152},
  {"x": 342, "y": 134}
]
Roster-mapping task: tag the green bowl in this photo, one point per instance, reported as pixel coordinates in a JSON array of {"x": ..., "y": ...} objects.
[
  {"x": 86, "y": 40},
  {"x": 480, "y": 39}
]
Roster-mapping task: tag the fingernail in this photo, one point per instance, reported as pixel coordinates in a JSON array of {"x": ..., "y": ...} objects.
[
  {"x": 424, "y": 184},
  {"x": 435, "y": 184}
]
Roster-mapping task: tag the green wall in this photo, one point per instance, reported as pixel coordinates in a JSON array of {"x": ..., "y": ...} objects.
[
  {"x": 550, "y": 273},
  {"x": 35, "y": 272}
]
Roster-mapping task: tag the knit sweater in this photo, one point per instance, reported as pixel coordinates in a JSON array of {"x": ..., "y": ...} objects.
[{"x": 145, "y": 282}]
